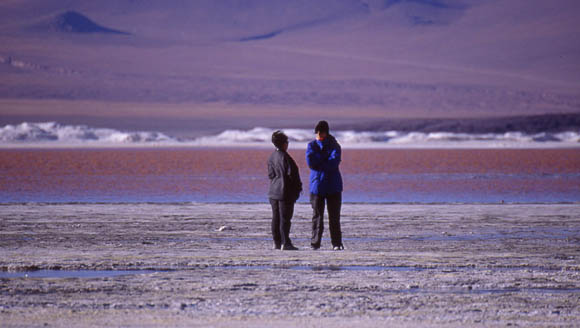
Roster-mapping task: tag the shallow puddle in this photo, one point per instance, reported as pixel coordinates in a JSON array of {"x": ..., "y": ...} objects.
[
  {"x": 353, "y": 268},
  {"x": 443, "y": 291},
  {"x": 377, "y": 268},
  {"x": 321, "y": 267},
  {"x": 72, "y": 273},
  {"x": 507, "y": 291},
  {"x": 540, "y": 233}
]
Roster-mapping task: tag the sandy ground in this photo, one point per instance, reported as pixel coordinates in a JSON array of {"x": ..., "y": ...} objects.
[{"x": 404, "y": 265}]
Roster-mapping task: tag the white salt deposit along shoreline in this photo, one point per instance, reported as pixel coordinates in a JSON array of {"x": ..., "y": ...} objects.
[
  {"x": 404, "y": 265},
  {"x": 55, "y": 135}
]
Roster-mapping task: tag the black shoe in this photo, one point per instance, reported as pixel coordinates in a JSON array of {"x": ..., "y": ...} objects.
[
  {"x": 289, "y": 248},
  {"x": 314, "y": 247},
  {"x": 276, "y": 246},
  {"x": 339, "y": 248}
]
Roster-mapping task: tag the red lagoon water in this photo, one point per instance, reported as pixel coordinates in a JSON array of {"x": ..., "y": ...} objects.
[{"x": 239, "y": 175}]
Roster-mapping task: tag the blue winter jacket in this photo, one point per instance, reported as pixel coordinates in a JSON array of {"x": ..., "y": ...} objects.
[{"x": 323, "y": 158}]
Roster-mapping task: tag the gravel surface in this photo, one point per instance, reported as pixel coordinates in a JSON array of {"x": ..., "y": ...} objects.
[{"x": 140, "y": 265}]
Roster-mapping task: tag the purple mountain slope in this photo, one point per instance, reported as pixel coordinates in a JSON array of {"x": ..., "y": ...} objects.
[
  {"x": 74, "y": 22},
  {"x": 280, "y": 63}
]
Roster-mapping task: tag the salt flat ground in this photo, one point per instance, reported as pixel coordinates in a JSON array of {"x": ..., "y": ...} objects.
[{"x": 212, "y": 265}]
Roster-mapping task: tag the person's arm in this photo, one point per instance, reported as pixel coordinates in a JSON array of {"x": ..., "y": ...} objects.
[
  {"x": 288, "y": 170},
  {"x": 293, "y": 174},
  {"x": 330, "y": 156},
  {"x": 334, "y": 158},
  {"x": 271, "y": 171},
  {"x": 314, "y": 158},
  {"x": 292, "y": 170}
]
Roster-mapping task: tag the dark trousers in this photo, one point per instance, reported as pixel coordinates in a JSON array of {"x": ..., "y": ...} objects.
[
  {"x": 334, "y": 203},
  {"x": 282, "y": 212}
]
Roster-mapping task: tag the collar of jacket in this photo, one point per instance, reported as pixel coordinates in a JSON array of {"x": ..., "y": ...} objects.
[{"x": 328, "y": 141}]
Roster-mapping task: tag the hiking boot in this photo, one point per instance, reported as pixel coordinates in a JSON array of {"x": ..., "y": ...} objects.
[{"x": 289, "y": 248}]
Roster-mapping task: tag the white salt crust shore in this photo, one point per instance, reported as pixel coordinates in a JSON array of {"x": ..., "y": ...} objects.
[
  {"x": 211, "y": 265},
  {"x": 30, "y": 135}
]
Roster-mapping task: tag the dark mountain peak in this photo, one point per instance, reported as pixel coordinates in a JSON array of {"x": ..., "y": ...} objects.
[
  {"x": 75, "y": 22},
  {"x": 383, "y": 4},
  {"x": 431, "y": 3}
]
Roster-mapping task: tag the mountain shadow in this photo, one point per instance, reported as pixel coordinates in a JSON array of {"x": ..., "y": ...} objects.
[
  {"x": 431, "y": 3},
  {"x": 75, "y": 22},
  {"x": 261, "y": 36}
]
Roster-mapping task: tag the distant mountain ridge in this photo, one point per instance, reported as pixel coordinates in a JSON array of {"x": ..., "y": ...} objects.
[
  {"x": 551, "y": 123},
  {"x": 234, "y": 18},
  {"x": 276, "y": 61},
  {"x": 75, "y": 22}
]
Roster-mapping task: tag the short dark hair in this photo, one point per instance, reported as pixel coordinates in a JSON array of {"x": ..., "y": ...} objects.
[
  {"x": 322, "y": 126},
  {"x": 279, "y": 139}
]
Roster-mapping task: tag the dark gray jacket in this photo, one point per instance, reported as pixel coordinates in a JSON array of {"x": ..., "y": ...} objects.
[{"x": 284, "y": 177}]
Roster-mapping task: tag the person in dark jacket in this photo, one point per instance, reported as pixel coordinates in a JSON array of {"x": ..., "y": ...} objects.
[
  {"x": 285, "y": 188},
  {"x": 323, "y": 156}
]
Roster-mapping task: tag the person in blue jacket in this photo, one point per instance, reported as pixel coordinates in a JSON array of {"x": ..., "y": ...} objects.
[{"x": 323, "y": 156}]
